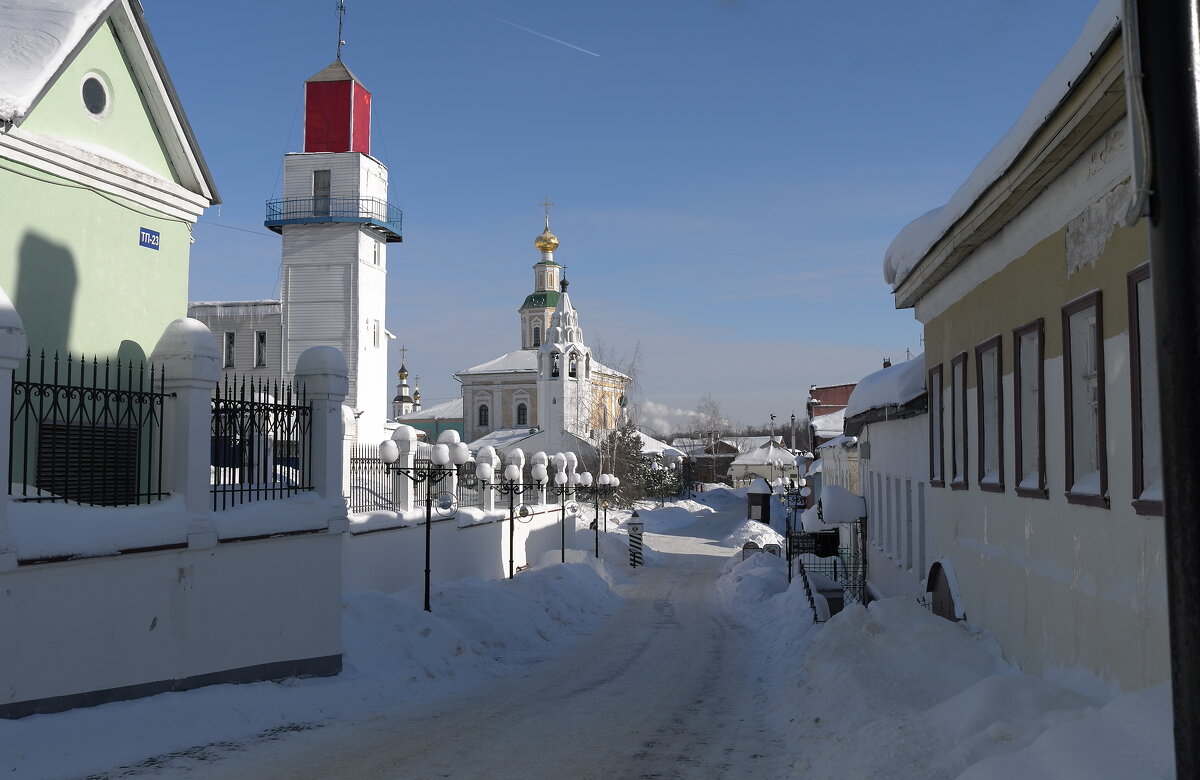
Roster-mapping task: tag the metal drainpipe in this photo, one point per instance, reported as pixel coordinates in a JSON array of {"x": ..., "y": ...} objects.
[{"x": 1167, "y": 38}]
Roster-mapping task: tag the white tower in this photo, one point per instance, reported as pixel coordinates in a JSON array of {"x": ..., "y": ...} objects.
[
  {"x": 564, "y": 373},
  {"x": 336, "y": 223}
]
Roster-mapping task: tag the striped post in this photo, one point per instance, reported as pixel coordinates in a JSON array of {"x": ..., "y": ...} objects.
[{"x": 635, "y": 543}]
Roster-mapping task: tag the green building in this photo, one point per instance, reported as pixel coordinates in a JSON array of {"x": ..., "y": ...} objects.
[{"x": 101, "y": 179}]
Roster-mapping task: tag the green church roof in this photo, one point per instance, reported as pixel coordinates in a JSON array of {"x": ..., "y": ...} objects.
[{"x": 546, "y": 299}]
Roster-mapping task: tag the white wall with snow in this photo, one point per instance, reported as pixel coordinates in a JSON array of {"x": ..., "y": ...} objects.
[
  {"x": 393, "y": 559},
  {"x": 154, "y": 618}
]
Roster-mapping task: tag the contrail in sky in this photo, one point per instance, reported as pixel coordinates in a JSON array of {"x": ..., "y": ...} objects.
[{"x": 526, "y": 29}]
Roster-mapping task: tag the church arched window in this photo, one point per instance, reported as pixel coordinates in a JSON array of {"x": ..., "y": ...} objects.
[
  {"x": 522, "y": 415},
  {"x": 573, "y": 367},
  {"x": 537, "y": 335},
  {"x": 554, "y": 366},
  {"x": 483, "y": 416}
]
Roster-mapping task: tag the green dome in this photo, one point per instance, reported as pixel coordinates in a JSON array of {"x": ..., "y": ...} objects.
[{"x": 546, "y": 299}]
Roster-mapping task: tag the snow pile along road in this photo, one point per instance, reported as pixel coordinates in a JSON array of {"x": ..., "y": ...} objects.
[{"x": 891, "y": 690}]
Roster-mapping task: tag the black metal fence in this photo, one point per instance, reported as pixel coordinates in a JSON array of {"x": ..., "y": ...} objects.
[
  {"x": 820, "y": 554},
  {"x": 261, "y": 441},
  {"x": 86, "y": 432},
  {"x": 371, "y": 485}
]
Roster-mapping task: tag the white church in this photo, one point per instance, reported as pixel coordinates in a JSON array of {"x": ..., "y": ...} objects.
[
  {"x": 336, "y": 223},
  {"x": 551, "y": 394}
]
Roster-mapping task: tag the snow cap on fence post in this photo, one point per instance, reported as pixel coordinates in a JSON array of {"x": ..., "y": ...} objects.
[
  {"x": 12, "y": 350},
  {"x": 405, "y": 437},
  {"x": 190, "y": 362},
  {"x": 322, "y": 379}
]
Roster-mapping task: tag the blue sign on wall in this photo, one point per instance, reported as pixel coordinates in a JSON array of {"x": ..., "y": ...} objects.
[{"x": 148, "y": 238}]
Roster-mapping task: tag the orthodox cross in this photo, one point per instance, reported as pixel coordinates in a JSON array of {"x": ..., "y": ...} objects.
[
  {"x": 547, "y": 205},
  {"x": 403, "y": 353}
]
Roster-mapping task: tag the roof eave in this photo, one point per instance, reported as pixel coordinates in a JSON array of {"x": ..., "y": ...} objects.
[{"x": 1097, "y": 100}]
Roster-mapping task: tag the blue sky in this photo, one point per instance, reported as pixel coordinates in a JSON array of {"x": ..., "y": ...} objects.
[{"x": 727, "y": 173}]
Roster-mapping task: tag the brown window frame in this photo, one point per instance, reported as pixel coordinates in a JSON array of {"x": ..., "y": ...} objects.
[
  {"x": 964, "y": 483},
  {"x": 1083, "y": 303},
  {"x": 937, "y": 445},
  {"x": 1038, "y": 327},
  {"x": 996, "y": 343},
  {"x": 1133, "y": 279}
]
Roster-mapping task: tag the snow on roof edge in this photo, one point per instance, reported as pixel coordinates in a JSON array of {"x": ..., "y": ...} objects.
[
  {"x": 915, "y": 240},
  {"x": 891, "y": 386}
]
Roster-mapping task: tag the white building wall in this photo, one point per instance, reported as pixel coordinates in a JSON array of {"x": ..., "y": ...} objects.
[
  {"x": 895, "y": 480},
  {"x": 1064, "y": 587}
]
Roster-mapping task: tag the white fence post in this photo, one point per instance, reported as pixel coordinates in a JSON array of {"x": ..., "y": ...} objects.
[
  {"x": 187, "y": 354},
  {"x": 321, "y": 373},
  {"x": 403, "y": 488},
  {"x": 349, "y": 439},
  {"x": 12, "y": 350}
]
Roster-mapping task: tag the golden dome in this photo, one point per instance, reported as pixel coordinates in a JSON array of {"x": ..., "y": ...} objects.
[{"x": 547, "y": 241}]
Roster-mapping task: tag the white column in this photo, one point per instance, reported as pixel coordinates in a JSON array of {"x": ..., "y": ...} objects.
[
  {"x": 12, "y": 351},
  {"x": 321, "y": 373},
  {"x": 188, "y": 355},
  {"x": 405, "y": 437}
]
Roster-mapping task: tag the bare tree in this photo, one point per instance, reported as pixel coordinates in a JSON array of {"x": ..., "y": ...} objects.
[{"x": 709, "y": 419}]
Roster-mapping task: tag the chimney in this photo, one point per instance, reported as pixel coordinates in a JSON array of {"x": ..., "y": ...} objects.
[{"x": 887, "y": 362}]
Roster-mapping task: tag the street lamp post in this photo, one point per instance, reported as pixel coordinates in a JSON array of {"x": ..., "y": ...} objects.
[
  {"x": 562, "y": 488},
  {"x": 449, "y": 451},
  {"x": 600, "y": 488},
  {"x": 511, "y": 486},
  {"x": 792, "y": 498}
]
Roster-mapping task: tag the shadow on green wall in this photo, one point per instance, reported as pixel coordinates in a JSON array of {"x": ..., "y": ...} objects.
[{"x": 45, "y": 293}]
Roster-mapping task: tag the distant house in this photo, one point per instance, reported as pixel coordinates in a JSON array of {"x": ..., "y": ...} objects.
[
  {"x": 433, "y": 420},
  {"x": 1033, "y": 286},
  {"x": 768, "y": 459},
  {"x": 711, "y": 458},
  {"x": 826, "y": 399}
]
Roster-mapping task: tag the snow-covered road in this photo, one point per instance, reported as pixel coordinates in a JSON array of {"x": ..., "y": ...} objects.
[{"x": 666, "y": 688}]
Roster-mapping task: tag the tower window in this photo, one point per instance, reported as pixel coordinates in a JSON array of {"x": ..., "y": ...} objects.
[
  {"x": 522, "y": 414},
  {"x": 573, "y": 367},
  {"x": 483, "y": 416},
  {"x": 537, "y": 335},
  {"x": 321, "y": 193},
  {"x": 554, "y": 366},
  {"x": 260, "y": 348}
]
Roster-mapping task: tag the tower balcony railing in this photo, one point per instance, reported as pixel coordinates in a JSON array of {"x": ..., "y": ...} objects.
[{"x": 374, "y": 212}]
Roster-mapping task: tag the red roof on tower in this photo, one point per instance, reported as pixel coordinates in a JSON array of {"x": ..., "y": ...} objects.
[{"x": 337, "y": 112}]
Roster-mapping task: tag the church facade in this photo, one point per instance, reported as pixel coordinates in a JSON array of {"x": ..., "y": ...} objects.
[
  {"x": 551, "y": 394},
  {"x": 336, "y": 224}
]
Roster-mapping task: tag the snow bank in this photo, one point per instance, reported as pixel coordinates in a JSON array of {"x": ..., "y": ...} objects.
[
  {"x": 752, "y": 531},
  {"x": 893, "y": 691},
  {"x": 748, "y": 583}
]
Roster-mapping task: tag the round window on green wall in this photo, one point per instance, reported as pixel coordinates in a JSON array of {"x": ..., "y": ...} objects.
[{"x": 95, "y": 95}]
